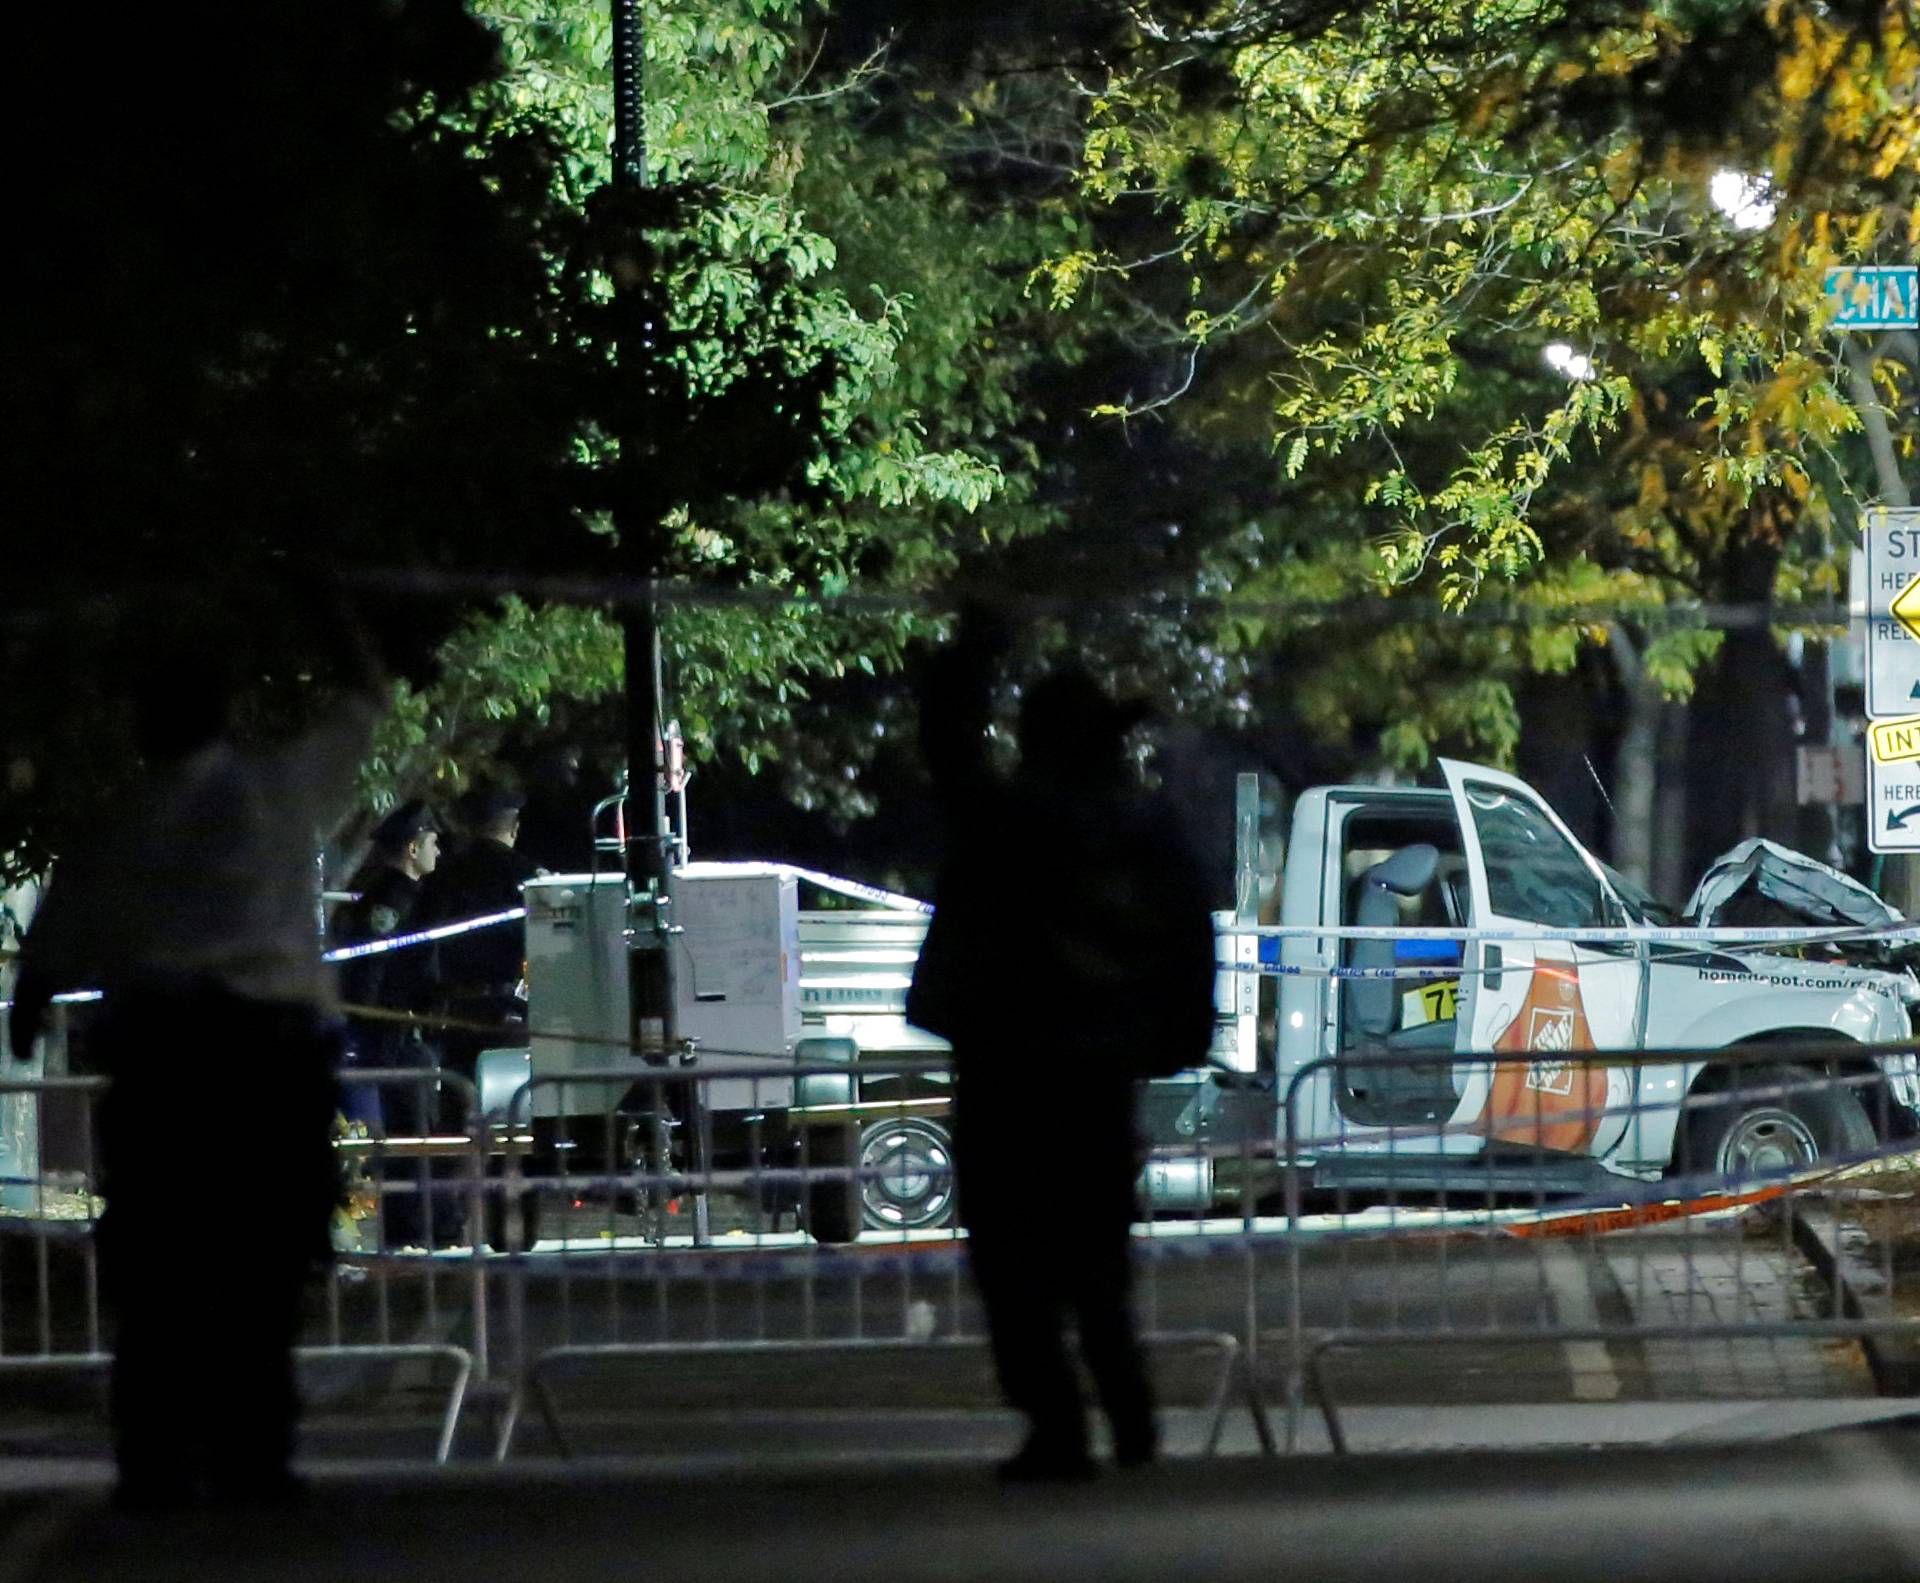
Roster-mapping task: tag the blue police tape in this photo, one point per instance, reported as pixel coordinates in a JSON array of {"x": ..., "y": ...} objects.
[
  {"x": 1624, "y": 934},
  {"x": 72, "y": 997},
  {"x": 348, "y": 953},
  {"x": 397, "y": 942},
  {"x": 1309, "y": 970}
]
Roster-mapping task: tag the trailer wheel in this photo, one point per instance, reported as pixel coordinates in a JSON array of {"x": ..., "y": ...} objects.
[
  {"x": 906, "y": 1180},
  {"x": 1741, "y": 1130},
  {"x": 833, "y": 1206}
]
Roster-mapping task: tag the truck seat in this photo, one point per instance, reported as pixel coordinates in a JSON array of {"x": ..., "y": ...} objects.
[{"x": 1372, "y": 1006}]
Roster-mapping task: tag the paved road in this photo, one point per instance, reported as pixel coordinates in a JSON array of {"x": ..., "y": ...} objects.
[
  {"x": 1707, "y": 1274},
  {"x": 1837, "y": 1507}
]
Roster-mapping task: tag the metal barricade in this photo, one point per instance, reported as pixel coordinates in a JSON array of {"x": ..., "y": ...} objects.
[
  {"x": 619, "y": 1273},
  {"x": 417, "y": 1294},
  {"x": 50, "y": 1313},
  {"x": 1790, "y": 1225},
  {"x": 377, "y": 1305},
  {"x": 566, "y": 1240}
]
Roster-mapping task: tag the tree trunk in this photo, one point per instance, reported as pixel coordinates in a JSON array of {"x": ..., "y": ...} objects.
[
  {"x": 1556, "y": 754},
  {"x": 1635, "y": 762},
  {"x": 1740, "y": 772},
  {"x": 1817, "y": 826},
  {"x": 1673, "y": 876}
]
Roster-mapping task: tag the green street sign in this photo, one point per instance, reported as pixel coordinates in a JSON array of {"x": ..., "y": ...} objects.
[{"x": 1875, "y": 296}]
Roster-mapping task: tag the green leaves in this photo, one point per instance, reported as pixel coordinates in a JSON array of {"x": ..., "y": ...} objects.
[
  {"x": 1463, "y": 263},
  {"x": 816, "y": 291}
]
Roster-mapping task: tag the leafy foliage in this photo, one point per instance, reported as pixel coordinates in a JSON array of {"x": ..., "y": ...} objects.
[
  {"x": 1380, "y": 220},
  {"x": 760, "y": 304},
  {"x": 282, "y": 318}
]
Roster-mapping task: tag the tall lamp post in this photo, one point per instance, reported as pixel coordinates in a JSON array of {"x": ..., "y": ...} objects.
[
  {"x": 637, "y": 516},
  {"x": 638, "y": 513}
]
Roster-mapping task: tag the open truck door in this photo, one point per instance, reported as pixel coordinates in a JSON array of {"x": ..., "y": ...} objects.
[{"x": 1543, "y": 1002}]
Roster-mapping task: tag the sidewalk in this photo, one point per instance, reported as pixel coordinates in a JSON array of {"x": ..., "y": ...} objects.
[
  {"x": 1833, "y": 1506},
  {"x": 789, "y": 1440},
  {"x": 768, "y": 1444}
]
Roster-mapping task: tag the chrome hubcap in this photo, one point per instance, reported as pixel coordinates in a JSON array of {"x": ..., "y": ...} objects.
[
  {"x": 1767, "y": 1140},
  {"x": 914, "y": 1184}
]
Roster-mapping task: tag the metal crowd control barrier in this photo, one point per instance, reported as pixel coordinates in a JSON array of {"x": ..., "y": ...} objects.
[
  {"x": 1763, "y": 1245},
  {"x": 46, "y": 1222},
  {"x": 390, "y": 1280},
  {"x": 1760, "y": 1255},
  {"x": 50, "y": 1304},
  {"x": 626, "y": 1285}
]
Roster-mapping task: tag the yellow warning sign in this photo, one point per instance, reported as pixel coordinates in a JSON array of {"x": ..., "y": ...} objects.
[
  {"x": 1896, "y": 741},
  {"x": 1906, "y": 608}
]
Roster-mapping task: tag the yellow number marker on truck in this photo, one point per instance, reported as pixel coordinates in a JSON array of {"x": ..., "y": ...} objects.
[{"x": 1435, "y": 1002}]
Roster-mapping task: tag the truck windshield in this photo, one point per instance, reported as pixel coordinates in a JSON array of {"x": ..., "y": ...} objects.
[{"x": 1641, "y": 903}]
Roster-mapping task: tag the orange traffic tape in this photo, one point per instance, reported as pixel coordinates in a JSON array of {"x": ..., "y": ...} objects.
[{"x": 1590, "y": 1221}]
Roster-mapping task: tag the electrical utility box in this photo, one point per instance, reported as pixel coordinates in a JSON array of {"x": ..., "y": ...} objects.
[
  {"x": 579, "y": 992},
  {"x": 736, "y": 975}
]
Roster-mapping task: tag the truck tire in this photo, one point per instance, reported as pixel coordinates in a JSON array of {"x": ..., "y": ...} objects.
[
  {"x": 906, "y": 1182},
  {"x": 907, "y": 1174},
  {"x": 833, "y": 1207},
  {"x": 1741, "y": 1132}
]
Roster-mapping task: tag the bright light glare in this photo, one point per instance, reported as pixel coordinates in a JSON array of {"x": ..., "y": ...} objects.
[
  {"x": 1564, "y": 359},
  {"x": 1746, "y": 200}
]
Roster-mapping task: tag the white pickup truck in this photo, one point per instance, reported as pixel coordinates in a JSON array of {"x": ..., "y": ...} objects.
[
  {"x": 1485, "y": 853},
  {"x": 1397, "y": 1027}
]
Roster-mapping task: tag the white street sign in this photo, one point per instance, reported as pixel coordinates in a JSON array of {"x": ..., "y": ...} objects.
[
  {"x": 1893, "y": 612},
  {"x": 1893, "y": 785},
  {"x": 1874, "y": 296}
]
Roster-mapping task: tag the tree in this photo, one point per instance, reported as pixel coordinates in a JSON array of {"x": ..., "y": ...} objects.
[
  {"x": 278, "y": 319},
  {"x": 1378, "y": 220},
  {"x": 356, "y": 311},
  {"x": 748, "y": 276}
]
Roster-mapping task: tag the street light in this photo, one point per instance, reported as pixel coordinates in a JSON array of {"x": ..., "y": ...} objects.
[
  {"x": 1563, "y": 359},
  {"x": 1745, "y": 200}
]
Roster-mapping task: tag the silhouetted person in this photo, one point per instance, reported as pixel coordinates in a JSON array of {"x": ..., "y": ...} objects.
[
  {"x": 196, "y": 912},
  {"x": 477, "y": 976},
  {"x": 406, "y": 850},
  {"x": 1070, "y": 955},
  {"x": 556, "y": 825}
]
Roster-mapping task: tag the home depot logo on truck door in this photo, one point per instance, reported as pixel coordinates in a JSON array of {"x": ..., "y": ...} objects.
[{"x": 1555, "y": 1101}]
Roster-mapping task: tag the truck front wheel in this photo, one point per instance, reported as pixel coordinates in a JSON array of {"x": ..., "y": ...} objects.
[
  {"x": 906, "y": 1181},
  {"x": 900, "y": 1178},
  {"x": 1744, "y": 1130}
]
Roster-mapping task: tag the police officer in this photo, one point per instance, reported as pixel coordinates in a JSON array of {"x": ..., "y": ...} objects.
[
  {"x": 478, "y": 974},
  {"x": 406, "y": 849}
]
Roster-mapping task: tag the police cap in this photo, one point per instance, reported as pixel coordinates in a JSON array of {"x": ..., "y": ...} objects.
[
  {"x": 486, "y": 805},
  {"x": 412, "y": 818}
]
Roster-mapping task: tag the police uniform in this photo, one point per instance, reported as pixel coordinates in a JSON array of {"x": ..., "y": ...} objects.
[
  {"x": 387, "y": 906},
  {"x": 477, "y": 976},
  {"x": 393, "y": 981}
]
